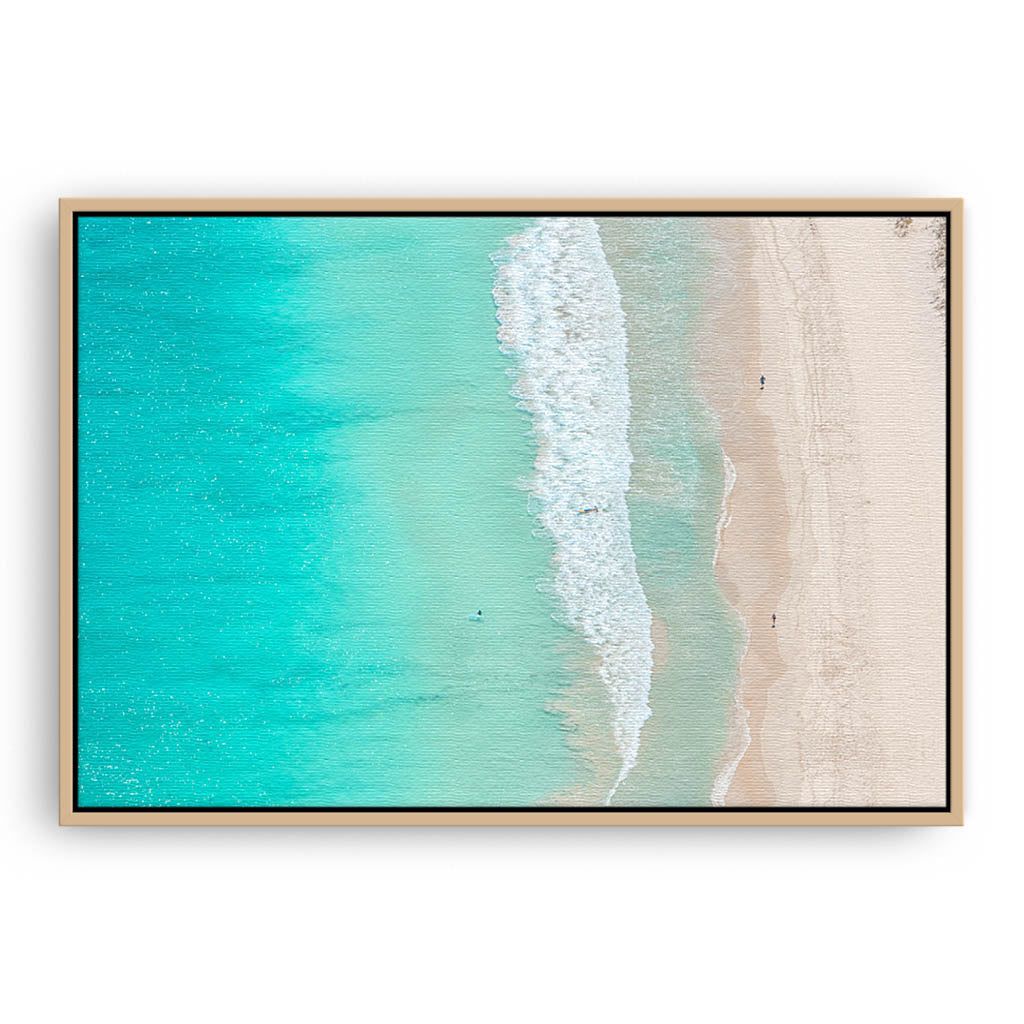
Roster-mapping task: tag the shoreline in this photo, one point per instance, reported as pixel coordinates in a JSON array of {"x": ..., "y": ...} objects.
[
  {"x": 753, "y": 561},
  {"x": 660, "y": 267}
]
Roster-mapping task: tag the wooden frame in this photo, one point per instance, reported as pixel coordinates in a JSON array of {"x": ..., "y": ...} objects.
[{"x": 951, "y": 815}]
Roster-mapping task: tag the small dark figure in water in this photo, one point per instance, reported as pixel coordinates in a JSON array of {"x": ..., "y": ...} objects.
[
  {"x": 773, "y": 620},
  {"x": 479, "y": 614},
  {"x": 762, "y": 382}
]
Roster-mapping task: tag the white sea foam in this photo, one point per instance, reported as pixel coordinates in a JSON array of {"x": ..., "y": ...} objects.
[
  {"x": 739, "y": 728},
  {"x": 725, "y": 517},
  {"x": 737, "y": 744},
  {"x": 560, "y": 315}
]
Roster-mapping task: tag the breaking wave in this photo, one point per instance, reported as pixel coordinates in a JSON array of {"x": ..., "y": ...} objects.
[{"x": 560, "y": 316}]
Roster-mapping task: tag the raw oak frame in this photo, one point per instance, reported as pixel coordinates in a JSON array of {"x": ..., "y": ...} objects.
[{"x": 951, "y": 814}]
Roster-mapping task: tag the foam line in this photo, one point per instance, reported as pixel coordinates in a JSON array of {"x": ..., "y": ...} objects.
[{"x": 560, "y": 316}]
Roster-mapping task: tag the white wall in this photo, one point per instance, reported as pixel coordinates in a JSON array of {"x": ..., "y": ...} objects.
[{"x": 502, "y": 99}]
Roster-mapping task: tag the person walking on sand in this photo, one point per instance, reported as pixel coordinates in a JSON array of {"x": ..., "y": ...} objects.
[
  {"x": 762, "y": 382},
  {"x": 773, "y": 620}
]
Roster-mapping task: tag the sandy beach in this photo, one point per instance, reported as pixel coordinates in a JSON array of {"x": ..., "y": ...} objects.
[{"x": 836, "y": 519}]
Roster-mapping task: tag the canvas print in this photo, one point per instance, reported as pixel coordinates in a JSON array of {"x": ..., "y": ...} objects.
[{"x": 441, "y": 510}]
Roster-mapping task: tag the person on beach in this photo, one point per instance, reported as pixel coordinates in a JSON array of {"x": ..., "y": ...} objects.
[
  {"x": 762, "y": 382},
  {"x": 773, "y": 620}
]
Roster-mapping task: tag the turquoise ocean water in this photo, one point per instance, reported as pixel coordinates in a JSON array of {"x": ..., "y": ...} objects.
[{"x": 300, "y": 474}]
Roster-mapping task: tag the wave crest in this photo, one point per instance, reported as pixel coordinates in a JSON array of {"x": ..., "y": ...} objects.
[{"x": 560, "y": 316}]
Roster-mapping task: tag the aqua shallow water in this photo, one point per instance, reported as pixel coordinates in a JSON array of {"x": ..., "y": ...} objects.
[
  {"x": 301, "y": 473},
  {"x": 298, "y": 465},
  {"x": 662, "y": 266}
]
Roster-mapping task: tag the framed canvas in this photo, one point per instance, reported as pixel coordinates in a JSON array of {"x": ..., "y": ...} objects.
[{"x": 625, "y": 511}]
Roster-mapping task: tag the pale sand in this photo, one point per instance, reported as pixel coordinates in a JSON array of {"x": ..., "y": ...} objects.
[{"x": 838, "y": 511}]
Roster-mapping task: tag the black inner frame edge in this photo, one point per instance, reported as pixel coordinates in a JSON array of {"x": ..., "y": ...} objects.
[{"x": 77, "y": 808}]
